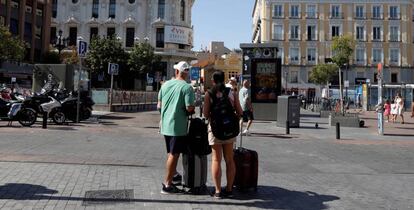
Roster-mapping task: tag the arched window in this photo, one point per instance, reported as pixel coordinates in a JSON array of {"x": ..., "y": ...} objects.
[
  {"x": 182, "y": 10},
  {"x": 95, "y": 8}
]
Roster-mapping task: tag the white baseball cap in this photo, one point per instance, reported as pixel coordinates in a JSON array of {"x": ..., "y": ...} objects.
[
  {"x": 182, "y": 66},
  {"x": 233, "y": 79}
]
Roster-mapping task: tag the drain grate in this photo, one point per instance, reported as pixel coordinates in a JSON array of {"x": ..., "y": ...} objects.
[{"x": 107, "y": 197}]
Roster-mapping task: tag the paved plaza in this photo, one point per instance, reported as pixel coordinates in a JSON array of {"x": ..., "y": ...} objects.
[{"x": 59, "y": 167}]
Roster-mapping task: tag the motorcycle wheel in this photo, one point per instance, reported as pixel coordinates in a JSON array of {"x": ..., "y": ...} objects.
[
  {"x": 59, "y": 118},
  {"x": 27, "y": 117}
]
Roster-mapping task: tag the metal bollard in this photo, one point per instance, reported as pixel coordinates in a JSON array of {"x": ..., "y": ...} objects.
[
  {"x": 316, "y": 125},
  {"x": 338, "y": 131},
  {"x": 287, "y": 127},
  {"x": 44, "y": 124}
]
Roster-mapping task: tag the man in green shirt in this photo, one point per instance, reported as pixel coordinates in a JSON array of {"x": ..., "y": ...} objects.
[{"x": 175, "y": 101}]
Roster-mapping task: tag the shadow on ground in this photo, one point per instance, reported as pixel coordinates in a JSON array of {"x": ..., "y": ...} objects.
[
  {"x": 270, "y": 135},
  {"x": 114, "y": 117},
  {"x": 266, "y": 197}
]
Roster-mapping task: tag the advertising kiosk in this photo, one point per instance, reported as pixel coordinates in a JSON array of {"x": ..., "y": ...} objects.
[{"x": 262, "y": 66}]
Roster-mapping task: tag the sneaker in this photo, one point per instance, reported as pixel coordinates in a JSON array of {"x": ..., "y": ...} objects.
[
  {"x": 170, "y": 190},
  {"x": 177, "y": 179},
  {"x": 246, "y": 132},
  {"x": 227, "y": 194}
]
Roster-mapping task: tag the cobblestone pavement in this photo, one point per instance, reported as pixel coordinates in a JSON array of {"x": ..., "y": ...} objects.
[{"x": 309, "y": 169}]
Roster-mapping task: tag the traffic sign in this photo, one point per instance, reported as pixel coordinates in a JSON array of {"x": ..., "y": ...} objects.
[
  {"x": 113, "y": 69},
  {"x": 346, "y": 83},
  {"x": 82, "y": 48},
  {"x": 195, "y": 73}
]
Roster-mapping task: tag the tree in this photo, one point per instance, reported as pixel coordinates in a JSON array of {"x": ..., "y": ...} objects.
[
  {"x": 103, "y": 51},
  {"x": 343, "y": 48},
  {"x": 142, "y": 58},
  {"x": 11, "y": 48},
  {"x": 322, "y": 73},
  {"x": 70, "y": 57}
]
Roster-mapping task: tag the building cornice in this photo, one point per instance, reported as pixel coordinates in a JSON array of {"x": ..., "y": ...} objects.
[{"x": 340, "y": 1}]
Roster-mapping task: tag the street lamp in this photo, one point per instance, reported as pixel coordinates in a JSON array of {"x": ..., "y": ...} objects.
[
  {"x": 60, "y": 43},
  {"x": 286, "y": 81}
]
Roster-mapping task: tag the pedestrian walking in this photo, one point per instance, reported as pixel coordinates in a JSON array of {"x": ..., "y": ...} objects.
[
  {"x": 232, "y": 83},
  {"x": 400, "y": 107},
  {"x": 221, "y": 147},
  {"x": 175, "y": 102},
  {"x": 387, "y": 110},
  {"x": 246, "y": 105},
  {"x": 393, "y": 111}
]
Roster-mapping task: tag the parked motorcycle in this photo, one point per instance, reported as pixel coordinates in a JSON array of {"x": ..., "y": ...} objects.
[{"x": 12, "y": 111}]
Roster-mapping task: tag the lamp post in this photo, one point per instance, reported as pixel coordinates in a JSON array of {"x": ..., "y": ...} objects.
[
  {"x": 60, "y": 43},
  {"x": 286, "y": 81}
]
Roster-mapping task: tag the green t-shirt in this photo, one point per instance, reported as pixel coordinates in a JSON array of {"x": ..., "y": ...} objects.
[{"x": 175, "y": 96}]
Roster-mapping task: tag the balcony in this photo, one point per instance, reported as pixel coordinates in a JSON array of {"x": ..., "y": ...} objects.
[
  {"x": 278, "y": 37},
  {"x": 336, "y": 15},
  {"x": 312, "y": 15},
  {"x": 295, "y": 16},
  {"x": 278, "y": 16},
  {"x": 394, "y": 39},
  {"x": 294, "y": 38},
  {"x": 377, "y": 16},
  {"x": 360, "y": 16},
  {"x": 395, "y": 16}
]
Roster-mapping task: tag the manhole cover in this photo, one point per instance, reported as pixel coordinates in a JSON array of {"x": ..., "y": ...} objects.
[{"x": 107, "y": 196}]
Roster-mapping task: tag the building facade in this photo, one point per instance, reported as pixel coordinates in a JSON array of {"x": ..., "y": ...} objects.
[
  {"x": 304, "y": 30},
  {"x": 166, "y": 24},
  {"x": 30, "y": 21}
]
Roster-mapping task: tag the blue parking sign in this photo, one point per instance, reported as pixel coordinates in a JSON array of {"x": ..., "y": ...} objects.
[
  {"x": 82, "y": 49},
  {"x": 113, "y": 69},
  {"x": 195, "y": 73}
]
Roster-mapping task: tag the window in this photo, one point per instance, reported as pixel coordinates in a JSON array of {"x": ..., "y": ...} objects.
[
  {"x": 360, "y": 56},
  {"x": 376, "y": 33},
  {"x": 160, "y": 38},
  {"x": 394, "y": 56},
  {"x": 131, "y": 1},
  {"x": 293, "y": 77},
  {"x": 112, "y": 8},
  {"x": 95, "y": 8},
  {"x": 376, "y": 55},
  {"x": 376, "y": 12},
  {"x": 360, "y": 35},
  {"x": 311, "y": 11},
  {"x": 359, "y": 12},
  {"x": 110, "y": 32},
  {"x": 394, "y": 33},
  {"x": 335, "y": 31},
  {"x": 311, "y": 54},
  {"x": 278, "y": 11},
  {"x": 161, "y": 9},
  {"x": 129, "y": 39},
  {"x": 181, "y": 46},
  {"x": 28, "y": 31},
  {"x": 93, "y": 33},
  {"x": 394, "y": 77},
  {"x": 54, "y": 8},
  {"x": 294, "y": 32},
  {"x": 182, "y": 10},
  {"x": 52, "y": 35},
  {"x": 394, "y": 14},
  {"x": 14, "y": 26},
  {"x": 294, "y": 55},
  {"x": 294, "y": 11},
  {"x": 73, "y": 34},
  {"x": 278, "y": 32},
  {"x": 311, "y": 33},
  {"x": 336, "y": 11}
]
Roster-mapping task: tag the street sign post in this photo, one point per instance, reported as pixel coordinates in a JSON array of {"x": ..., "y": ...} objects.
[
  {"x": 113, "y": 69},
  {"x": 82, "y": 50},
  {"x": 380, "y": 104}
]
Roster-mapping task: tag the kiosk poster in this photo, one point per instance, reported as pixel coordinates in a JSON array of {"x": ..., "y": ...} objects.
[{"x": 265, "y": 82}]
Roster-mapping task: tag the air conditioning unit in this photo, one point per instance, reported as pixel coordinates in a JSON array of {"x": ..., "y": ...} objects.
[{"x": 29, "y": 9}]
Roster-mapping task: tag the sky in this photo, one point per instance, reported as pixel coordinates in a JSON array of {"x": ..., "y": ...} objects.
[{"x": 229, "y": 21}]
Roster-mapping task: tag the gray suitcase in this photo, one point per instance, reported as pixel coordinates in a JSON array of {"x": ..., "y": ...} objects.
[{"x": 195, "y": 173}]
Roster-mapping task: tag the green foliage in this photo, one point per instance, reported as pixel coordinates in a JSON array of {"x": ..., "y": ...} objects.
[
  {"x": 322, "y": 73},
  {"x": 51, "y": 57},
  {"x": 70, "y": 57},
  {"x": 11, "y": 48},
  {"x": 343, "y": 47},
  {"x": 103, "y": 51},
  {"x": 141, "y": 58}
]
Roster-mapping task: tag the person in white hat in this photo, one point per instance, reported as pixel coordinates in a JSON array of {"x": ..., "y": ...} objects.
[{"x": 175, "y": 101}]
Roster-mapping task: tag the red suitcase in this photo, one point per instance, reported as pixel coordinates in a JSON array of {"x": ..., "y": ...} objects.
[{"x": 247, "y": 168}]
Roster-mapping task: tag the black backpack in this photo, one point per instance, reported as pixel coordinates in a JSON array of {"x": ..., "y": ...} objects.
[
  {"x": 223, "y": 119},
  {"x": 198, "y": 137}
]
